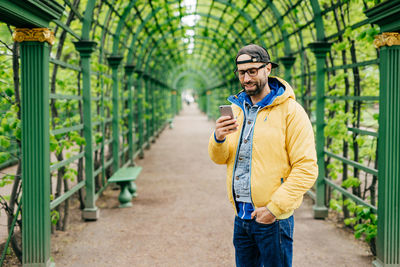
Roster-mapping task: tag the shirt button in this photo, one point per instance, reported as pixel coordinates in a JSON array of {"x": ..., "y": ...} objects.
[
  {"x": 249, "y": 122},
  {"x": 238, "y": 196},
  {"x": 245, "y": 141},
  {"x": 240, "y": 158},
  {"x": 237, "y": 177}
]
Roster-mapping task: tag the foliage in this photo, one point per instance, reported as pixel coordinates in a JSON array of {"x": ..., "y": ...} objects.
[{"x": 364, "y": 221}]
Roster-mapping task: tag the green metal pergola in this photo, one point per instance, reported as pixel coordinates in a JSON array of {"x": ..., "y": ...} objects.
[{"x": 128, "y": 62}]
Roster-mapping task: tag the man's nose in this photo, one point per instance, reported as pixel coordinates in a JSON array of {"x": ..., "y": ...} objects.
[{"x": 246, "y": 77}]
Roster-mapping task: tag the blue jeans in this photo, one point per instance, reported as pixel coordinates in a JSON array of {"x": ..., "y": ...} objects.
[{"x": 268, "y": 245}]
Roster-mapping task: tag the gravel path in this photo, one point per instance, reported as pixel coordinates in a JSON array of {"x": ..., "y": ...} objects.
[{"x": 182, "y": 217}]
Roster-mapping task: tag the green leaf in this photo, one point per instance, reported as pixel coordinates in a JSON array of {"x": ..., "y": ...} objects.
[
  {"x": 361, "y": 36},
  {"x": 55, "y": 216},
  {"x": 358, "y": 233},
  {"x": 286, "y": 26},
  {"x": 4, "y": 156},
  {"x": 4, "y": 142},
  {"x": 351, "y": 182}
]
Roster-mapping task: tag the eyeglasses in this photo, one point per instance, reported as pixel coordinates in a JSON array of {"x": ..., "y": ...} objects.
[{"x": 251, "y": 72}]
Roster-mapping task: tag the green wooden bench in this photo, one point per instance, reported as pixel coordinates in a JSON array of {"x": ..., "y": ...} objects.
[{"x": 125, "y": 178}]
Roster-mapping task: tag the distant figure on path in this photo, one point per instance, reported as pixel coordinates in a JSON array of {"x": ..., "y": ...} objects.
[{"x": 271, "y": 161}]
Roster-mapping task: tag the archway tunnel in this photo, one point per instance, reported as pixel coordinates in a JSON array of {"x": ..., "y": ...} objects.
[{"x": 96, "y": 82}]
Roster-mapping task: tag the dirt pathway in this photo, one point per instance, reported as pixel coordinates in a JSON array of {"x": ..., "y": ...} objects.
[{"x": 182, "y": 217}]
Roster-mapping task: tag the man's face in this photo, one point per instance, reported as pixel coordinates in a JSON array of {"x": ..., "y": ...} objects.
[{"x": 252, "y": 85}]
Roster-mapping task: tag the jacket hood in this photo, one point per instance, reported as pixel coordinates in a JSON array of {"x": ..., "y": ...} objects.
[
  {"x": 288, "y": 91},
  {"x": 280, "y": 92}
]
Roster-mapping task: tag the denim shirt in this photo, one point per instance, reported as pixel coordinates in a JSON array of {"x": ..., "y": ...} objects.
[
  {"x": 241, "y": 182},
  {"x": 242, "y": 171}
]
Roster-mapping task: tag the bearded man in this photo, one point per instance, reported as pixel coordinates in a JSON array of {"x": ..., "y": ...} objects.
[{"x": 271, "y": 161}]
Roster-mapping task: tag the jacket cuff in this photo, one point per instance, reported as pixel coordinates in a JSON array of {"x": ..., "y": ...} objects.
[
  {"x": 274, "y": 209},
  {"x": 219, "y": 142}
]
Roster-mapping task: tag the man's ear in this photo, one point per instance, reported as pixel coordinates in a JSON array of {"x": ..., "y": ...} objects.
[{"x": 268, "y": 67}]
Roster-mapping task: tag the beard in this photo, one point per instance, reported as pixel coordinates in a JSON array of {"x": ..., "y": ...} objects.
[{"x": 259, "y": 84}]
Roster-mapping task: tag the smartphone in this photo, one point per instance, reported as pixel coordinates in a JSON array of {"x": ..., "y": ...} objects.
[{"x": 226, "y": 110}]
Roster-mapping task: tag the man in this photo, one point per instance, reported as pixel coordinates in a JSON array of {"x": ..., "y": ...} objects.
[{"x": 270, "y": 155}]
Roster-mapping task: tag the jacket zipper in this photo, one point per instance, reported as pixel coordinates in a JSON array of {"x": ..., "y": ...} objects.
[
  {"x": 237, "y": 152},
  {"x": 234, "y": 165},
  {"x": 251, "y": 157}
]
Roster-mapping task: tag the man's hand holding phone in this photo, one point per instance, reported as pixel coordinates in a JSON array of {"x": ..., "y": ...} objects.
[{"x": 226, "y": 124}]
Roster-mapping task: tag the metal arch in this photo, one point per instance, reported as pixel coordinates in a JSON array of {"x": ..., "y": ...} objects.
[
  {"x": 155, "y": 11},
  {"x": 244, "y": 14},
  {"x": 259, "y": 16},
  {"x": 202, "y": 68},
  {"x": 186, "y": 73},
  {"x": 213, "y": 78},
  {"x": 166, "y": 36},
  {"x": 121, "y": 23},
  {"x": 175, "y": 30},
  {"x": 200, "y": 26},
  {"x": 149, "y": 56},
  {"x": 239, "y": 11},
  {"x": 247, "y": 17},
  {"x": 191, "y": 65},
  {"x": 216, "y": 77},
  {"x": 87, "y": 19},
  {"x": 278, "y": 16},
  {"x": 220, "y": 20},
  {"x": 107, "y": 18},
  {"x": 187, "y": 83},
  {"x": 130, "y": 55},
  {"x": 319, "y": 23},
  {"x": 195, "y": 55},
  {"x": 183, "y": 49},
  {"x": 148, "y": 64},
  {"x": 299, "y": 34}
]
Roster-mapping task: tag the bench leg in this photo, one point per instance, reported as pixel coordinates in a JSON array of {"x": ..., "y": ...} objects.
[
  {"x": 132, "y": 189},
  {"x": 125, "y": 196}
]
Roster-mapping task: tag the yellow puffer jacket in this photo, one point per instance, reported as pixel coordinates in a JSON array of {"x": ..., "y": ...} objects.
[{"x": 283, "y": 163}]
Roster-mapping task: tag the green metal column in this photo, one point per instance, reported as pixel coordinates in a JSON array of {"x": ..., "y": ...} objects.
[
  {"x": 288, "y": 64},
  {"x": 114, "y": 62},
  {"x": 388, "y": 243},
  {"x": 140, "y": 99},
  {"x": 208, "y": 94},
  {"x": 171, "y": 111},
  {"x": 35, "y": 148},
  {"x": 320, "y": 49},
  {"x": 173, "y": 104},
  {"x": 147, "y": 114},
  {"x": 388, "y": 237},
  {"x": 159, "y": 94},
  {"x": 86, "y": 48},
  {"x": 154, "y": 106},
  {"x": 129, "y": 71}
]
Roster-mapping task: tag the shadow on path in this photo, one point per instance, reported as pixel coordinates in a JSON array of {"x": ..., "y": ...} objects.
[{"x": 182, "y": 216}]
